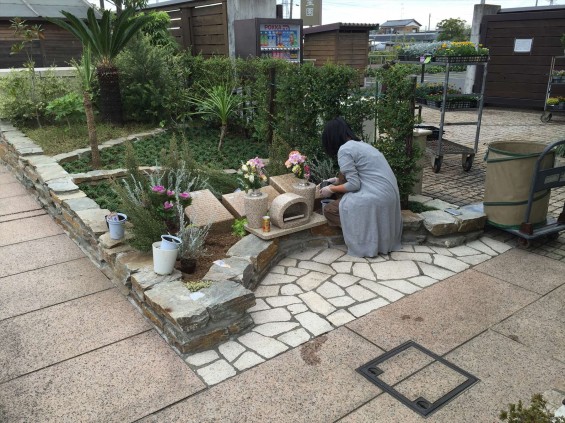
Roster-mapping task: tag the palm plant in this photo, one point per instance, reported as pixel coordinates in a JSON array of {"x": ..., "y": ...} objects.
[
  {"x": 219, "y": 102},
  {"x": 106, "y": 40},
  {"x": 85, "y": 72}
]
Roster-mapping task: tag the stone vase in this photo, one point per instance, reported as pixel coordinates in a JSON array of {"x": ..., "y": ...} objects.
[
  {"x": 306, "y": 190},
  {"x": 256, "y": 205}
]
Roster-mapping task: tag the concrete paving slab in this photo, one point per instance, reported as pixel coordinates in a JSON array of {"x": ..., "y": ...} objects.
[
  {"x": 50, "y": 335},
  {"x": 445, "y": 314},
  {"x": 541, "y": 325},
  {"x": 19, "y": 204},
  {"x": 7, "y": 178},
  {"x": 403, "y": 365},
  {"x": 12, "y": 190},
  {"x": 17, "y": 231},
  {"x": 431, "y": 383},
  {"x": 316, "y": 382},
  {"x": 23, "y": 215},
  {"x": 38, "y": 253},
  {"x": 530, "y": 271},
  {"x": 51, "y": 285},
  {"x": 121, "y": 382},
  {"x": 508, "y": 372}
]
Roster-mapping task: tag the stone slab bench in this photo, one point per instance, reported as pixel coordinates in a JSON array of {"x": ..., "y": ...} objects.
[{"x": 207, "y": 209}]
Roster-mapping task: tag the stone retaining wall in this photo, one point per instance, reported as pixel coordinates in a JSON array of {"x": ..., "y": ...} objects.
[{"x": 193, "y": 322}]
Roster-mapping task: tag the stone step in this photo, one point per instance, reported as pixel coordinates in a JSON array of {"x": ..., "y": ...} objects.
[{"x": 205, "y": 209}]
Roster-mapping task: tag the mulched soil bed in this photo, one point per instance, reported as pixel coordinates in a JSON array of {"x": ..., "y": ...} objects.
[{"x": 217, "y": 246}]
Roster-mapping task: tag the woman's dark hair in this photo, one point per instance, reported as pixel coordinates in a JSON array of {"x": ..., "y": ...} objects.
[{"x": 336, "y": 133}]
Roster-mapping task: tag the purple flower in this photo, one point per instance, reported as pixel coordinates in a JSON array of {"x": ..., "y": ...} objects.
[
  {"x": 170, "y": 193},
  {"x": 168, "y": 205},
  {"x": 159, "y": 189},
  {"x": 184, "y": 195}
]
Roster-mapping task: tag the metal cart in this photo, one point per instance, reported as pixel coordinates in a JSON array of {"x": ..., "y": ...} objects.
[
  {"x": 542, "y": 180},
  {"x": 549, "y": 110},
  {"x": 441, "y": 146}
]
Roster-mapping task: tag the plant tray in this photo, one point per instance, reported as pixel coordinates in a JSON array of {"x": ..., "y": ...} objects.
[
  {"x": 460, "y": 59},
  {"x": 558, "y": 107},
  {"x": 558, "y": 79},
  {"x": 453, "y": 105}
]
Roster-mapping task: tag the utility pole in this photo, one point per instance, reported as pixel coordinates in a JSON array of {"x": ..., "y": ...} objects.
[{"x": 430, "y": 22}]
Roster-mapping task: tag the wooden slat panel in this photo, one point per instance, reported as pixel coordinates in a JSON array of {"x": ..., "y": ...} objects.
[
  {"x": 205, "y": 11},
  {"x": 208, "y": 20},
  {"x": 209, "y": 39},
  {"x": 208, "y": 30}
]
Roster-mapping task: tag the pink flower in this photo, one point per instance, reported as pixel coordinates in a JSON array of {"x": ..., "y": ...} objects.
[
  {"x": 168, "y": 205},
  {"x": 159, "y": 189},
  {"x": 256, "y": 162},
  {"x": 295, "y": 158},
  {"x": 170, "y": 193},
  {"x": 184, "y": 195}
]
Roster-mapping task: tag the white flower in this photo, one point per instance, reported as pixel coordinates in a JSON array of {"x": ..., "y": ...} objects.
[
  {"x": 244, "y": 168},
  {"x": 251, "y": 178}
]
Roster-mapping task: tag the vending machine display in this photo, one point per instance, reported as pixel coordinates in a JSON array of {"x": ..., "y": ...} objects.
[{"x": 273, "y": 38}]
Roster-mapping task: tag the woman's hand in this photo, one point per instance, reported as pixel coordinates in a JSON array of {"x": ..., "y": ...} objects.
[
  {"x": 331, "y": 180},
  {"x": 326, "y": 192}
]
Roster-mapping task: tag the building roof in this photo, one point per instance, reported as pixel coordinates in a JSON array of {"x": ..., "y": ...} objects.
[
  {"x": 338, "y": 26},
  {"x": 402, "y": 38},
  {"x": 401, "y": 22},
  {"x": 38, "y": 9}
]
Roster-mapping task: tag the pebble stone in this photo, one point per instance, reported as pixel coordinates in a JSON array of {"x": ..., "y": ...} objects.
[
  {"x": 199, "y": 359},
  {"x": 313, "y": 323},
  {"x": 316, "y": 290},
  {"x": 402, "y": 286},
  {"x": 297, "y": 308},
  {"x": 363, "y": 270},
  {"x": 342, "y": 301},
  {"x": 340, "y": 318},
  {"x": 216, "y": 372},
  {"x": 271, "y": 315},
  {"x": 330, "y": 290},
  {"x": 359, "y": 293},
  {"x": 383, "y": 291},
  {"x": 275, "y": 328},
  {"x": 295, "y": 338},
  {"x": 231, "y": 350},
  {"x": 247, "y": 360},
  {"x": 262, "y": 345},
  {"x": 364, "y": 308},
  {"x": 290, "y": 289}
]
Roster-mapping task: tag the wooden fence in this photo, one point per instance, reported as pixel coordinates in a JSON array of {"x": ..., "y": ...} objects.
[
  {"x": 520, "y": 79},
  {"x": 201, "y": 26}
]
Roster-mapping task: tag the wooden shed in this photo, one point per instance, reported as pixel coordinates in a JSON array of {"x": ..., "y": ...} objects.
[
  {"x": 521, "y": 42},
  {"x": 57, "y": 47},
  {"x": 340, "y": 43}
]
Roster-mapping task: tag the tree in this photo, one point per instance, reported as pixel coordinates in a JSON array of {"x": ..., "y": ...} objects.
[
  {"x": 85, "y": 72},
  {"x": 106, "y": 39},
  {"x": 453, "y": 29}
]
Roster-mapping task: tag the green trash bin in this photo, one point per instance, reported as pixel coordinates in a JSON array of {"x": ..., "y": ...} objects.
[{"x": 509, "y": 171}]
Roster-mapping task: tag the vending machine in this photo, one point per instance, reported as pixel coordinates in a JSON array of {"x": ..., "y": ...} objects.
[{"x": 273, "y": 38}]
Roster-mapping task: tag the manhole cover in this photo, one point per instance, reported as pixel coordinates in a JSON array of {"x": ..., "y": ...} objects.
[{"x": 420, "y": 379}]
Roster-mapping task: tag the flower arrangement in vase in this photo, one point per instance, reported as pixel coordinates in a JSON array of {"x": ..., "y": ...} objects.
[
  {"x": 252, "y": 175},
  {"x": 297, "y": 164},
  {"x": 166, "y": 202}
]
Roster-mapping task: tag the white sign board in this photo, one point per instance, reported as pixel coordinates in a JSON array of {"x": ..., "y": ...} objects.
[{"x": 523, "y": 45}]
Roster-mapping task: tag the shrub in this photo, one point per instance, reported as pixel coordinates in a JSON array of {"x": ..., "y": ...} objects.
[
  {"x": 537, "y": 412},
  {"x": 24, "y": 95},
  {"x": 69, "y": 107},
  {"x": 145, "y": 80},
  {"x": 395, "y": 114}
]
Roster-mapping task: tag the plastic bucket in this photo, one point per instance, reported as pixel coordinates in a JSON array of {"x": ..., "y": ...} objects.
[
  {"x": 163, "y": 260},
  {"x": 325, "y": 202},
  {"x": 509, "y": 172},
  {"x": 116, "y": 225},
  {"x": 169, "y": 242}
]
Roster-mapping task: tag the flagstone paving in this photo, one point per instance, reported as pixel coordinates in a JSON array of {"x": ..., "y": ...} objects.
[{"x": 329, "y": 290}]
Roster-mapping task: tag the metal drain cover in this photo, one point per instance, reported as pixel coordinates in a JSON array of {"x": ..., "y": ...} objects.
[{"x": 420, "y": 379}]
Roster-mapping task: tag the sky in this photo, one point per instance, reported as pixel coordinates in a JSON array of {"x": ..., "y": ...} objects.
[{"x": 379, "y": 11}]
